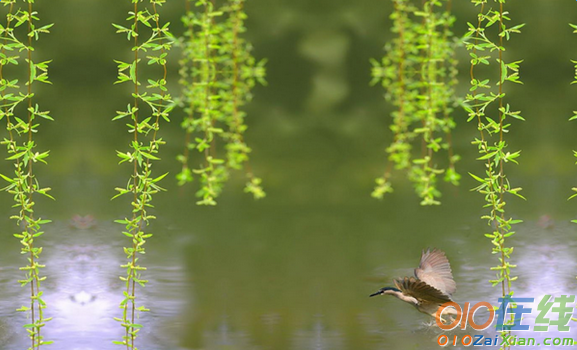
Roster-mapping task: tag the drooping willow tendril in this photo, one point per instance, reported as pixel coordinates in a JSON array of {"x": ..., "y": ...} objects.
[
  {"x": 218, "y": 73},
  {"x": 243, "y": 76},
  {"x": 396, "y": 73},
  {"x": 574, "y": 117},
  {"x": 419, "y": 73},
  {"x": 450, "y": 81},
  {"x": 485, "y": 104},
  {"x": 17, "y": 36},
  {"x": 146, "y": 111},
  {"x": 423, "y": 173},
  {"x": 187, "y": 80}
]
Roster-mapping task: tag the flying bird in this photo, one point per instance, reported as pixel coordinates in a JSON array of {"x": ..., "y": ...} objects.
[{"x": 432, "y": 286}]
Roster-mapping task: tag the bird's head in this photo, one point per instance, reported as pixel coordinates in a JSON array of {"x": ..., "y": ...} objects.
[{"x": 386, "y": 290}]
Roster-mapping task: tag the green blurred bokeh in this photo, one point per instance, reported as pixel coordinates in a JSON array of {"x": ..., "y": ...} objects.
[{"x": 318, "y": 129}]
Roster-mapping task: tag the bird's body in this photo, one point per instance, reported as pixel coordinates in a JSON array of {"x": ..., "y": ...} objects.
[{"x": 432, "y": 286}]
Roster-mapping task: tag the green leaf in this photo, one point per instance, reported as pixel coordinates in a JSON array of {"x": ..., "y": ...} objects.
[
  {"x": 477, "y": 178},
  {"x": 160, "y": 177},
  {"x": 503, "y": 71},
  {"x": 149, "y": 156},
  {"x": 7, "y": 178}
]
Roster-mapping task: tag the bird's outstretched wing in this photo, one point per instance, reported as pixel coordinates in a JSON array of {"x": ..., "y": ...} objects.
[
  {"x": 435, "y": 270},
  {"x": 421, "y": 290}
]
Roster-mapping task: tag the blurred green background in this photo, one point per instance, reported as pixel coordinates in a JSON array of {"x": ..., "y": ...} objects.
[{"x": 293, "y": 271}]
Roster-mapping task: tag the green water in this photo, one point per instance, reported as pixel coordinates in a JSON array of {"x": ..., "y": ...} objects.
[{"x": 292, "y": 271}]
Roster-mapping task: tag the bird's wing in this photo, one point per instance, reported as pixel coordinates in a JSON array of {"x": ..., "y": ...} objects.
[
  {"x": 435, "y": 270},
  {"x": 421, "y": 290}
]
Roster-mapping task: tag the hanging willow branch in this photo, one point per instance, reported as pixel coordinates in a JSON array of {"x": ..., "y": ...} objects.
[
  {"x": 397, "y": 74},
  {"x": 419, "y": 73},
  {"x": 22, "y": 117},
  {"x": 485, "y": 105},
  {"x": 146, "y": 111},
  {"x": 574, "y": 117},
  {"x": 218, "y": 73}
]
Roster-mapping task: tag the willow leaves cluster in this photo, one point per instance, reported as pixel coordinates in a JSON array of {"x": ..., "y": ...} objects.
[
  {"x": 217, "y": 73},
  {"x": 22, "y": 117},
  {"x": 151, "y": 105},
  {"x": 419, "y": 74},
  {"x": 487, "y": 108}
]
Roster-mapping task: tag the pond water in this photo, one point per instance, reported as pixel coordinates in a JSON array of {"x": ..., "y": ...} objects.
[
  {"x": 305, "y": 289},
  {"x": 292, "y": 271}
]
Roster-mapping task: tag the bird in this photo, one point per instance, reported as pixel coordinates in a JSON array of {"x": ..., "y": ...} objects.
[{"x": 432, "y": 286}]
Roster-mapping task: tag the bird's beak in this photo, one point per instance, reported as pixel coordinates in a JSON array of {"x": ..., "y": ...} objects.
[{"x": 377, "y": 293}]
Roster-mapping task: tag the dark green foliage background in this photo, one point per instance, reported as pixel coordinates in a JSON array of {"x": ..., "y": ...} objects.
[{"x": 312, "y": 143}]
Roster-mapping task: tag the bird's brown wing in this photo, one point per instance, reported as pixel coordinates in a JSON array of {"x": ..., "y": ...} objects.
[
  {"x": 435, "y": 270},
  {"x": 421, "y": 290}
]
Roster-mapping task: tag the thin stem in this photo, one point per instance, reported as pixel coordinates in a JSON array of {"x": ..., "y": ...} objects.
[
  {"x": 400, "y": 117},
  {"x": 235, "y": 80},
  {"x": 162, "y": 92},
  {"x": 35, "y": 280},
  {"x": 7, "y": 109},
  {"x": 190, "y": 116},
  {"x": 210, "y": 76},
  {"x": 450, "y": 76},
  {"x": 214, "y": 78},
  {"x": 131, "y": 283},
  {"x": 479, "y": 121},
  {"x": 501, "y": 161},
  {"x": 429, "y": 122}
]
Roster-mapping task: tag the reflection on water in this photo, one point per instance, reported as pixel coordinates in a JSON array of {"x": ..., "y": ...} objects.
[
  {"x": 226, "y": 338},
  {"x": 241, "y": 293},
  {"x": 83, "y": 291},
  {"x": 318, "y": 338}
]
